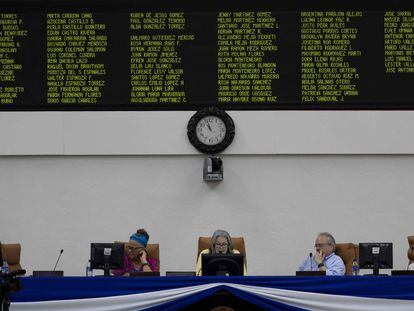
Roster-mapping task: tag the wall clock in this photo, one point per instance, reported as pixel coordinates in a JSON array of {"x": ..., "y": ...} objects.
[{"x": 211, "y": 130}]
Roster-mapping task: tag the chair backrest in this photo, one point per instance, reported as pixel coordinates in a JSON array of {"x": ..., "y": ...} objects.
[
  {"x": 11, "y": 252},
  {"x": 153, "y": 250},
  {"x": 410, "y": 252},
  {"x": 348, "y": 252},
  {"x": 238, "y": 243}
]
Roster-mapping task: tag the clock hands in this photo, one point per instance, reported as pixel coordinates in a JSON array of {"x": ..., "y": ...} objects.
[{"x": 210, "y": 130}]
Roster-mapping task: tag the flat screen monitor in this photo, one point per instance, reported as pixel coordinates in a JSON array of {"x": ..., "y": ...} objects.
[
  {"x": 222, "y": 264},
  {"x": 375, "y": 256},
  {"x": 107, "y": 256}
]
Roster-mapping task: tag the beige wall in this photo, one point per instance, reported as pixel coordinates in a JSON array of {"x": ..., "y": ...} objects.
[
  {"x": 278, "y": 203},
  {"x": 71, "y": 178},
  {"x": 164, "y": 132}
]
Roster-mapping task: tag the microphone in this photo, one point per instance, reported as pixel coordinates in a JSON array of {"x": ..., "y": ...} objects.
[
  {"x": 60, "y": 254},
  {"x": 310, "y": 261}
]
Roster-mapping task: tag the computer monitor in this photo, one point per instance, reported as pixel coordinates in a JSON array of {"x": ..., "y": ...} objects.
[
  {"x": 106, "y": 256},
  {"x": 375, "y": 256},
  {"x": 222, "y": 264}
]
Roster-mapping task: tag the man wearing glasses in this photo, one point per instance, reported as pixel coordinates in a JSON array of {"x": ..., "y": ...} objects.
[{"x": 325, "y": 258}]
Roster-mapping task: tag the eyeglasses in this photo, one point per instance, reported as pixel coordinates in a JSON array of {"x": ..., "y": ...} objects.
[
  {"x": 321, "y": 244},
  {"x": 221, "y": 244},
  {"x": 132, "y": 248}
]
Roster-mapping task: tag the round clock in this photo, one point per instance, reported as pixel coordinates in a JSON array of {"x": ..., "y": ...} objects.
[{"x": 210, "y": 130}]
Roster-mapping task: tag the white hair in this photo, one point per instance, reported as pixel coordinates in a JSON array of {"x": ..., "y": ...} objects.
[{"x": 331, "y": 239}]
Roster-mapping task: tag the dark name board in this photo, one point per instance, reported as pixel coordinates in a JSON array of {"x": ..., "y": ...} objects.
[{"x": 174, "y": 55}]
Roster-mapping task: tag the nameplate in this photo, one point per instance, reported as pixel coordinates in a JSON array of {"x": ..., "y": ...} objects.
[
  {"x": 402, "y": 272},
  {"x": 310, "y": 273},
  {"x": 47, "y": 273},
  {"x": 180, "y": 273},
  {"x": 144, "y": 273}
]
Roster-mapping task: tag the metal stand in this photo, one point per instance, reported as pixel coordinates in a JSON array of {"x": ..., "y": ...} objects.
[{"x": 107, "y": 265}]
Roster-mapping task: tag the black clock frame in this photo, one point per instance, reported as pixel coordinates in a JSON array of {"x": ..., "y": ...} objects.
[{"x": 192, "y": 128}]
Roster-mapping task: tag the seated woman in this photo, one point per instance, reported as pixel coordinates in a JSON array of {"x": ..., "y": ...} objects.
[
  {"x": 220, "y": 244},
  {"x": 137, "y": 259}
]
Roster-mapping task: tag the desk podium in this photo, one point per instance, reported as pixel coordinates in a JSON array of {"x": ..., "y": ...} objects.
[{"x": 188, "y": 293}]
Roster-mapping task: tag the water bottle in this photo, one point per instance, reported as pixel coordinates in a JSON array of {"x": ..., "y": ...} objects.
[
  {"x": 355, "y": 267},
  {"x": 5, "y": 267},
  {"x": 89, "y": 271}
]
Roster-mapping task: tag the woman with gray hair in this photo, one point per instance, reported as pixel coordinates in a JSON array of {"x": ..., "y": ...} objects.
[{"x": 220, "y": 244}]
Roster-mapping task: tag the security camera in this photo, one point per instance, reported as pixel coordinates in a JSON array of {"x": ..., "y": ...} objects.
[{"x": 213, "y": 169}]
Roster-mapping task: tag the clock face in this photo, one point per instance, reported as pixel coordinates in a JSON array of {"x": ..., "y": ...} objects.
[{"x": 211, "y": 130}]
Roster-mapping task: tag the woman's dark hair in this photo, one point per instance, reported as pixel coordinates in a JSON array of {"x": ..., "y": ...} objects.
[{"x": 143, "y": 232}]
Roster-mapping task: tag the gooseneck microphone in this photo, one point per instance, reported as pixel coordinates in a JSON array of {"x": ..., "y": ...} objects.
[
  {"x": 60, "y": 254},
  {"x": 310, "y": 261}
]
